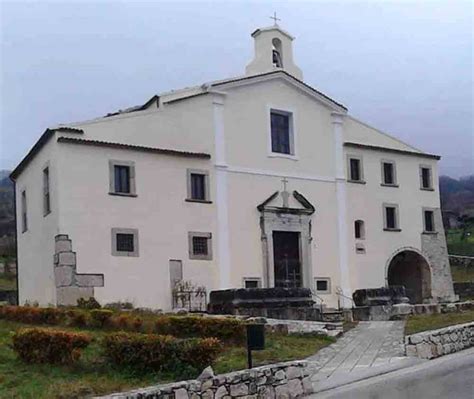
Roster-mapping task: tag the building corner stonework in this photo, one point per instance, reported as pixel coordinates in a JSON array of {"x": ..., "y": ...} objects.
[
  {"x": 434, "y": 247},
  {"x": 70, "y": 285}
]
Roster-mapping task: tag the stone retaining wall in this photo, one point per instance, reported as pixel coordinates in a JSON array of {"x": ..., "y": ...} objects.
[
  {"x": 435, "y": 343},
  {"x": 464, "y": 290},
  {"x": 457, "y": 260},
  {"x": 282, "y": 380}
]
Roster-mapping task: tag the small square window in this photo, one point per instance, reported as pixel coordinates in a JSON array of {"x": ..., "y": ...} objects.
[
  {"x": 323, "y": 285},
  {"x": 281, "y": 132},
  {"x": 124, "y": 242},
  {"x": 252, "y": 282},
  {"x": 388, "y": 173},
  {"x": 200, "y": 247},
  {"x": 122, "y": 178},
  {"x": 355, "y": 171},
  {"x": 426, "y": 178},
  {"x": 428, "y": 217}
]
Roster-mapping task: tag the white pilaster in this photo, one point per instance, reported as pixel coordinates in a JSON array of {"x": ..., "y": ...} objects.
[
  {"x": 342, "y": 229},
  {"x": 223, "y": 247}
]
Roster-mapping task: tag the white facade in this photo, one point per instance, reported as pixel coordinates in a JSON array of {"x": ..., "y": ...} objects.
[{"x": 224, "y": 130}]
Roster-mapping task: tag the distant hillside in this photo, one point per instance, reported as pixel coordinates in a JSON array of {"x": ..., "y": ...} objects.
[
  {"x": 7, "y": 217},
  {"x": 457, "y": 195}
]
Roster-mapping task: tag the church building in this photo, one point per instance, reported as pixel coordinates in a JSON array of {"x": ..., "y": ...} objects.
[{"x": 255, "y": 181}]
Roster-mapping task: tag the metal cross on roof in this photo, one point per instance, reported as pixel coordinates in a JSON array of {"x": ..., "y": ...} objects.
[{"x": 275, "y": 19}]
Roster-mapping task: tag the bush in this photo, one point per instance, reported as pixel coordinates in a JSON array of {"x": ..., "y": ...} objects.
[
  {"x": 226, "y": 329},
  {"x": 137, "y": 324},
  {"x": 33, "y": 315},
  {"x": 40, "y": 345},
  {"x": 78, "y": 318},
  {"x": 89, "y": 303},
  {"x": 149, "y": 352},
  {"x": 119, "y": 305},
  {"x": 100, "y": 316}
]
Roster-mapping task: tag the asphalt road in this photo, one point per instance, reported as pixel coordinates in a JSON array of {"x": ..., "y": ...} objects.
[{"x": 448, "y": 377}]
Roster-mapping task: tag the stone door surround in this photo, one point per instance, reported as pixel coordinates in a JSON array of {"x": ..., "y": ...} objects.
[{"x": 298, "y": 220}]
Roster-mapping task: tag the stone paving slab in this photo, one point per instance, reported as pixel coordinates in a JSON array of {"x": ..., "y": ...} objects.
[{"x": 369, "y": 345}]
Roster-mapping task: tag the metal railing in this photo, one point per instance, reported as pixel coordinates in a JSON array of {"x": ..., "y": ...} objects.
[{"x": 339, "y": 295}]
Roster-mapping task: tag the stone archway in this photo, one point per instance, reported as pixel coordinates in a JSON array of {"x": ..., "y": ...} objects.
[{"x": 410, "y": 269}]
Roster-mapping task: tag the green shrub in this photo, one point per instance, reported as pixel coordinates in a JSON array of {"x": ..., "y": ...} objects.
[
  {"x": 33, "y": 315},
  {"x": 119, "y": 305},
  {"x": 40, "y": 345},
  {"x": 78, "y": 318},
  {"x": 100, "y": 316},
  {"x": 89, "y": 303},
  {"x": 226, "y": 329},
  {"x": 149, "y": 352}
]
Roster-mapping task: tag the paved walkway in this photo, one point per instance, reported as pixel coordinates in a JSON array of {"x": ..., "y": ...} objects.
[{"x": 369, "y": 345}]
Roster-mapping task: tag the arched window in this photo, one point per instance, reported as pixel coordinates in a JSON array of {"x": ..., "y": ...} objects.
[
  {"x": 277, "y": 58},
  {"x": 359, "y": 229}
]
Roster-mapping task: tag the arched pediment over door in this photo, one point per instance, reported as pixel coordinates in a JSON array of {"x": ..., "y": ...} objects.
[{"x": 285, "y": 223}]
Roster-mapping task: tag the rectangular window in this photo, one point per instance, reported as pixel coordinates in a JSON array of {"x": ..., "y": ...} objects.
[
  {"x": 122, "y": 178},
  {"x": 200, "y": 246},
  {"x": 426, "y": 178},
  {"x": 323, "y": 285},
  {"x": 252, "y": 282},
  {"x": 46, "y": 195},
  {"x": 388, "y": 173},
  {"x": 124, "y": 242},
  {"x": 429, "y": 221},
  {"x": 198, "y": 185},
  {"x": 391, "y": 217},
  {"x": 24, "y": 215},
  {"x": 355, "y": 169},
  {"x": 281, "y": 132}
]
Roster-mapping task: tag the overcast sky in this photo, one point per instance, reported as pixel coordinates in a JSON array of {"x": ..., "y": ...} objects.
[{"x": 405, "y": 67}]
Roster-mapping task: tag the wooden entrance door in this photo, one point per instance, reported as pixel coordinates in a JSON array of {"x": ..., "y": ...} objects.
[{"x": 286, "y": 257}]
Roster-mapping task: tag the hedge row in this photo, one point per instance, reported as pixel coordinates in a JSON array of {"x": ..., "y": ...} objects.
[
  {"x": 145, "y": 352},
  {"x": 159, "y": 352},
  {"x": 41, "y": 345},
  {"x": 225, "y": 329}
]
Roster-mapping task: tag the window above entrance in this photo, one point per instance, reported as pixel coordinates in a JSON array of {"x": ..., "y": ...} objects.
[{"x": 282, "y": 134}]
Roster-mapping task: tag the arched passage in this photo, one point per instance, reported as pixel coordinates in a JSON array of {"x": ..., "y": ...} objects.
[{"x": 410, "y": 269}]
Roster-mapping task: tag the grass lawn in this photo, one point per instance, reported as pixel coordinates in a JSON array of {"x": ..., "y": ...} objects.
[
  {"x": 418, "y": 323},
  {"x": 462, "y": 273},
  {"x": 90, "y": 376},
  {"x": 456, "y": 246},
  {"x": 7, "y": 283}
]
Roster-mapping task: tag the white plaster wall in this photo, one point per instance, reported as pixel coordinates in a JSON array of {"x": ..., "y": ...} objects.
[
  {"x": 365, "y": 202},
  {"x": 185, "y": 125},
  {"x": 359, "y": 132},
  {"x": 247, "y": 130},
  {"x": 159, "y": 212},
  {"x": 246, "y": 192},
  {"x": 36, "y": 245}
]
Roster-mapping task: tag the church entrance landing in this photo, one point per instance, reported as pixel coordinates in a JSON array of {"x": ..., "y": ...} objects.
[
  {"x": 286, "y": 258},
  {"x": 410, "y": 269}
]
